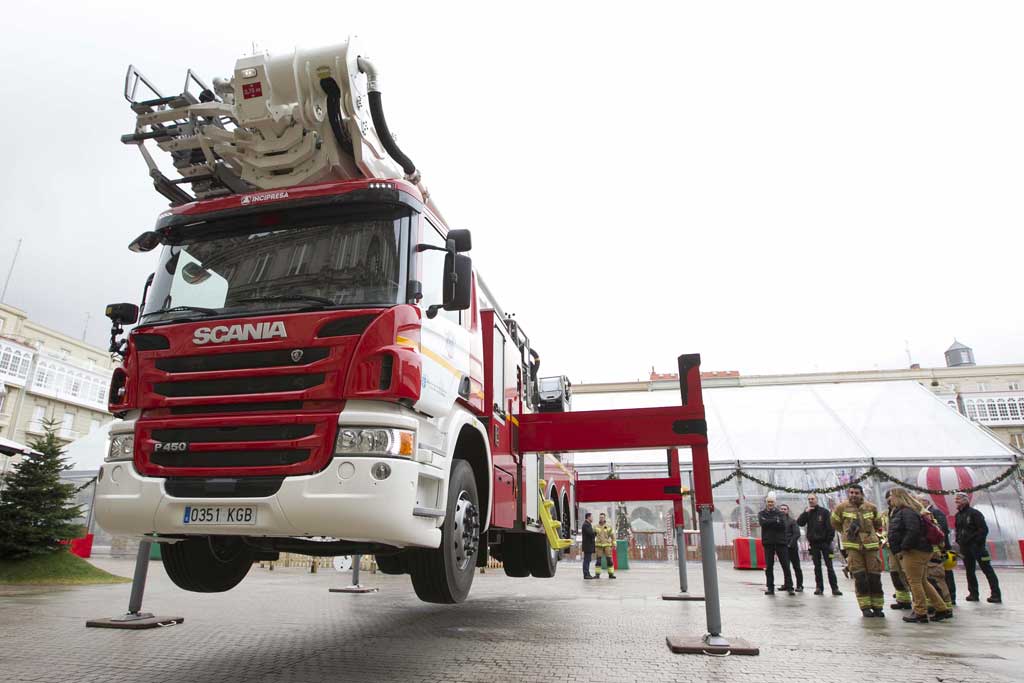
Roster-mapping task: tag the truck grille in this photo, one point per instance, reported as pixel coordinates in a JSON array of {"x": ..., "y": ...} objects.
[
  {"x": 243, "y": 361},
  {"x": 230, "y": 458},
  {"x": 231, "y": 445},
  {"x": 238, "y": 385}
]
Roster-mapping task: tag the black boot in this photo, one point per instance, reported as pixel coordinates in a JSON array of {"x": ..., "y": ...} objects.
[
  {"x": 916, "y": 618},
  {"x": 971, "y": 598},
  {"x": 879, "y": 613},
  {"x": 868, "y": 613},
  {"x": 995, "y": 599},
  {"x": 900, "y": 605}
]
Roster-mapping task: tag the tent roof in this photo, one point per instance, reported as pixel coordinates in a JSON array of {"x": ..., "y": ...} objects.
[
  {"x": 887, "y": 421},
  {"x": 642, "y": 526},
  {"x": 9, "y": 447},
  {"x": 86, "y": 454}
]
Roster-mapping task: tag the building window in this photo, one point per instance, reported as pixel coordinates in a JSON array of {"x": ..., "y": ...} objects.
[
  {"x": 258, "y": 269},
  {"x": 94, "y": 424},
  {"x": 1017, "y": 440},
  {"x": 298, "y": 262},
  {"x": 38, "y": 415},
  {"x": 67, "y": 425},
  {"x": 5, "y": 359},
  {"x": 972, "y": 412},
  {"x": 3, "y": 395},
  {"x": 1001, "y": 406},
  {"x": 982, "y": 386},
  {"x": 1014, "y": 409},
  {"x": 1014, "y": 386}
]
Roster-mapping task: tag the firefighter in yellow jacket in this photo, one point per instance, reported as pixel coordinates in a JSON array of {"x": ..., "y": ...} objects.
[
  {"x": 604, "y": 541},
  {"x": 858, "y": 524}
]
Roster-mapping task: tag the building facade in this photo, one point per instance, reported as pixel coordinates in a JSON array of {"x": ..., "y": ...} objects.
[{"x": 46, "y": 375}]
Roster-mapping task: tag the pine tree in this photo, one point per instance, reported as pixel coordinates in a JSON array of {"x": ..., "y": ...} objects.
[
  {"x": 622, "y": 528},
  {"x": 36, "y": 511}
]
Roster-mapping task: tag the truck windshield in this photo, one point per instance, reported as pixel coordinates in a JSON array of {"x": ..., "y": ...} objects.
[{"x": 215, "y": 271}]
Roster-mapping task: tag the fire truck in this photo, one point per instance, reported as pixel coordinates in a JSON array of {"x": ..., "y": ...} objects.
[{"x": 315, "y": 365}]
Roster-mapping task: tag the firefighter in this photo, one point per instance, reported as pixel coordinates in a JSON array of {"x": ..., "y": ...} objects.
[
  {"x": 858, "y": 524},
  {"x": 899, "y": 579},
  {"x": 605, "y": 541},
  {"x": 971, "y": 537}
]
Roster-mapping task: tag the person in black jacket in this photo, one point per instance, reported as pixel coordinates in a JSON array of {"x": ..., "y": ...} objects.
[
  {"x": 908, "y": 542},
  {"x": 793, "y": 548},
  {"x": 971, "y": 536},
  {"x": 773, "y": 539},
  {"x": 819, "y": 538},
  {"x": 589, "y": 544}
]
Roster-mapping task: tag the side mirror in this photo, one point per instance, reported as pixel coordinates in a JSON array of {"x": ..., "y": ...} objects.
[
  {"x": 122, "y": 314},
  {"x": 458, "y": 282},
  {"x": 462, "y": 239},
  {"x": 147, "y": 241}
]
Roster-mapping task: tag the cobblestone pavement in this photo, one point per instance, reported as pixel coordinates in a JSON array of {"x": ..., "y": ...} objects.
[{"x": 285, "y": 626}]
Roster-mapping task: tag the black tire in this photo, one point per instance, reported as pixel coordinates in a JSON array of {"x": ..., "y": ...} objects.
[
  {"x": 542, "y": 558},
  {"x": 513, "y": 555},
  {"x": 207, "y": 564},
  {"x": 444, "y": 575},
  {"x": 395, "y": 564}
]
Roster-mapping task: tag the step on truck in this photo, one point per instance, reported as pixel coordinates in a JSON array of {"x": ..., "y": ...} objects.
[{"x": 315, "y": 366}]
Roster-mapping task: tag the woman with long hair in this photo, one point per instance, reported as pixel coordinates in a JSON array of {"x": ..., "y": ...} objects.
[{"x": 908, "y": 542}]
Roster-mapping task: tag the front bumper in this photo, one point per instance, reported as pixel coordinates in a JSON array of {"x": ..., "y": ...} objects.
[{"x": 342, "y": 501}]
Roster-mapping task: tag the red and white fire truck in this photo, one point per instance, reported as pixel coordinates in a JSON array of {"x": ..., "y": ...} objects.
[{"x": 316, "y": 367}]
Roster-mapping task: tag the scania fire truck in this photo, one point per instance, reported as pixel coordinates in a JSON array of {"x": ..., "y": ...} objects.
[{"x": 316, "y": 368}]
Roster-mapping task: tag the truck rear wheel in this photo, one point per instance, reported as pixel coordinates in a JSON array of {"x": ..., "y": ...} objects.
[
  {"x": 209, "y": 564},
  {"x": 445, "y": 574},
  {"x": 542, "y": 557}
]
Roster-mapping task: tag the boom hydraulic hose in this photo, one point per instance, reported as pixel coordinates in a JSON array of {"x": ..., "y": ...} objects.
[
  {"x": 330, "y": 87},
  {"x": 379, "y": 123}
]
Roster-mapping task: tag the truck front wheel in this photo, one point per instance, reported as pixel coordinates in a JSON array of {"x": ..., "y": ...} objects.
[
  {"x": 210, "y": 564},
  {"x": 444, "y": 575}
]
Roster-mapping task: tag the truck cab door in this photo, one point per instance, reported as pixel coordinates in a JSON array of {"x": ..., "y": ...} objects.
[{"x": 444, "y": 341}]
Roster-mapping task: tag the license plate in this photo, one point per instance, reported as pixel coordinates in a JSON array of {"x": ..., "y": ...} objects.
[{"x": 230, "y": 515}]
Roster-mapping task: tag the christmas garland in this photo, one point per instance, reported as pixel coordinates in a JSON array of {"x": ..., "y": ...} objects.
[{"x": 872, "y": 472}]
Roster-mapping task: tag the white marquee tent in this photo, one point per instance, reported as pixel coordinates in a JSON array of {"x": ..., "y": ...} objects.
[{"x": 822, "y": 435}]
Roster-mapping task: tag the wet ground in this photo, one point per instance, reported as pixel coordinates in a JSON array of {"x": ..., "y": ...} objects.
[{"x": 285, "y": 626}]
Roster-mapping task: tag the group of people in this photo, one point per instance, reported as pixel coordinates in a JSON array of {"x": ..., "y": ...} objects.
[
  {"x": 598, "y": 541},
  {"x": 912, "y": 536}
]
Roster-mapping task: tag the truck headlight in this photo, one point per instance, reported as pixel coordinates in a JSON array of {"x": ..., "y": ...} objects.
[
  {"x": 122, "y": 447},
  {"x": 374, "y": 441}
]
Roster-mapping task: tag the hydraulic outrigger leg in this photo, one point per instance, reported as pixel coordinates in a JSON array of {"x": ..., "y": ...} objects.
[{"x": 135, "y": 618}]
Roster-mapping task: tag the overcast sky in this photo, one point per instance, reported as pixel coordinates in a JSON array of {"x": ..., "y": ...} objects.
[{"x": 782, "y": 187}]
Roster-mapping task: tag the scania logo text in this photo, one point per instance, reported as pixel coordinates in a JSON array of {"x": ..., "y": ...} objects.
[{"x": 248, "y": 332}]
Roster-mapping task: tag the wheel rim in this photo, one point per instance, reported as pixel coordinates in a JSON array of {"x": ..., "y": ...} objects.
[{"x": 465, "y": 532}]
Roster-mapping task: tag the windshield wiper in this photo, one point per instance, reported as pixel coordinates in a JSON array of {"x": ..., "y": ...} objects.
[
  {"x": 175, "y": 309},
  {"x": 285, "y": 297}
]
